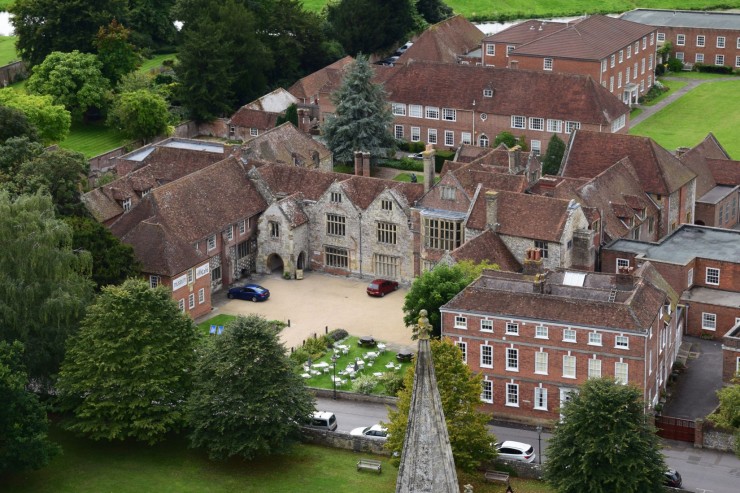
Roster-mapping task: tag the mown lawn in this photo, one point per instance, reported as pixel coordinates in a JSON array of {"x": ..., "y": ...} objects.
[
  {"x": 7, "y": 50},
  {"x": 711, "y": 107},
  {"x": 156, "y": 61},
  {"x": 92, "y": 139},
  {"x": 672, "y": 85},
  {"x": 222, "y": 319}
]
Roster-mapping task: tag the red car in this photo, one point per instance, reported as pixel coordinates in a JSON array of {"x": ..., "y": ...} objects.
[{"x": 380, "y": 287}]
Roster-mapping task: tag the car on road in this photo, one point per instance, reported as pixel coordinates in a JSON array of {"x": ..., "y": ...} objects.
[
  {"x": 374, "y": 431},
  {"x": 381, "y": 287},
  {"x": 323, "y": 420},
  {"x": 416, "y": 155},
  {"x": 250, "y": 292},
  {"x": 511, "y": 450},
  {"x": 672, "y": 478}
]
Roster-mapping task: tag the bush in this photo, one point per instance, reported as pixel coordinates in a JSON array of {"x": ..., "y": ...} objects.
[
  {"x": 713, "y": 69},
  {"x": 440, "y": 157},
  {"x": 675, "y": 65},
  {"x": 659, "y": 69},
  {"x": 337, "y": 335},
  {"x": 653, "y": 93},
  {"x": 405, "y": 164},
  {"x": 364, "y": 384},
  {"x": 299, "y": 356},
  {"x": 393, "y": 382},
  {"x": 316, "y": 346}
]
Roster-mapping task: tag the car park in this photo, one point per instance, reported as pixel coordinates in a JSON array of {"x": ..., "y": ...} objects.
[
  {"x": 381, "y": 287},
  {"x": 374, "y": 431},
  {"x": 511, "y": 450},
  {"x": 250, "y": 292},
  {"x": 323, "y": 420},
  {"x": 672, "y": 478}
]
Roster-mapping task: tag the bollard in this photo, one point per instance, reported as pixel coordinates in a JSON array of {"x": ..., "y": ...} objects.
[
  {"x": 326, "y": 329},
  {"x": 288, "y": 322}
]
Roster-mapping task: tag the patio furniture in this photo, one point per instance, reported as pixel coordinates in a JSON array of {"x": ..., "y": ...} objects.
[
  {"x": 305, "y": 375},
  {"x": 366, "y": 341},
  {"x": 378, "y": 374},
  {"x": 212, "y": 330}
]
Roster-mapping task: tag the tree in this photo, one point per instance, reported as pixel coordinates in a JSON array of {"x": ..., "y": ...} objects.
[
  {"x": 459, "y": 389},
  {"x": 553, "y": 156},
  {"x": 51, "y": 120},
  {"x": 73, "y": 80},
  {"x": 128, "y": 371},
  {"x": 370, "y": 26},
  {"x": 362, "y": 119},
  {"x": 112, "y": 260},
  {"x": 117, "y": 56},
  {"x": 13, "y": 153},
  {"x": 291, "y": 115},
  {"x": 605, "y": 443},
  {"x": 13, "y": 123},
  {"x": 45, "y": 26},
  {"x": 505, "y": 138},
  {"x": 436, "y": 287},
  {"x": 60, "y": 172},
  {"x": 222, "y": 63},
  {"x": 247, "y": 400},
  {"x": 152, "y": 22},
  {"x": 140, "y": 115},
  {"x": 44, "y": 285},
  {"x": 433, "y": 11},
  {"x": 23, "y": 425}
]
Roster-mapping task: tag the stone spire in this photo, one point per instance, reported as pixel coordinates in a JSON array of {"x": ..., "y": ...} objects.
[{"x": 427, "y": 465}]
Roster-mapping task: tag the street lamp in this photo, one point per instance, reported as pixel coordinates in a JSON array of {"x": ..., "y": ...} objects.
[
  {"x": 334, "y": 379},
  {"x": 539, "y": 444}
]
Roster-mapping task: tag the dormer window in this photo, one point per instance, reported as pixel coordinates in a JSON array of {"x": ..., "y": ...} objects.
[
  {"x": 487, "y": 93},
  {"x": 126, "y": 204},
  {"x": 146, "y": 192}
]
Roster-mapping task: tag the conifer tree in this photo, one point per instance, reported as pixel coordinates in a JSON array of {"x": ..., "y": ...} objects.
[{"x": 553, "y": 156}]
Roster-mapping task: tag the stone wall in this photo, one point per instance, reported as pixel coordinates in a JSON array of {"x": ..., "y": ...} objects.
[
  {"x": 343, "y": 440},
  {"x": 12, "y": 72},
  {"x": 717, "y": 438},
  {"x": 353, "y": 396}
]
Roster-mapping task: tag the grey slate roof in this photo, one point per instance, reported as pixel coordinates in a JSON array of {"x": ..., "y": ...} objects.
[{"x": 684, "y": 18}]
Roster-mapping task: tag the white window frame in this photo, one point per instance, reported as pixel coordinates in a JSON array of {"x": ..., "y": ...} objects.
[
  {"x": 398, "y": 109},
  {"x": 461, "y": 322},
  {"x": 487, "y": 93},
  {"x": 512, "y": 355},
  {"x": 415, "y": 134},
  {"x": 569, "y": 335},
  {"x": 622, "y": 262},
  {"x": 431, "y": 113},
  {"x": 680, "y": 40},
  {"x": 416, "y": 111},
  {"x": 491, "y": 49},
  {"x": 541, "y": 360},
  {"x": 486, "y": 394},
  {"x": 709, "y": 321},
  {"x": 536, "y": 123},
  {"x": 737, "y": 61},
  {"x": 181, "y": 304},
  {"x": 432, "y": 136},
  {"x": 569, "y": 366},
  {"x": 449, "y": 114},
  {"x": 463, "y": 349},
  {"x": 603, "y": 65},
  {"x": 555, "y": 126},
  {"x": 512, "y": 328},
  {"x": 191, "y": 301},
  {"x": 690, "y": 278},
  {"x": 571, "y": 126},
  {"x": 594, "y": 338},
  {"x": 519, "y": 122},
  {"x": 201, "y": 296},
  {"x": 541, "y": 332},
  {"x": 449, "y": 138},
  {"x": 486, "y": 325},
  {"x": 540, "y": 398},
  {"x": 254, "y": 132},
  {"x": 621, "y": 56},
  {"x": 701, "y": 40},
  {"x": 242, "y": 227},
  {"x": 536, "y": 146},
  {"x": 211, "y": 242},
  {"x": 621, "y": 342},
  {"x": 512, "y": 395},
  {"x": 629, "y": 51},
  {"x": 612, "y": 61},
  {"x": 712, "y": 273},
  {"x": 126, "y": 204},
  {"x": 486, "y": 356},
  {"x": 594, "y": 368},
  {"x": 509, "y": 49},
  {"x": 466, "y": 138},
  {"x": 721, "y": 41},
  {"x": 398, "y": 131},
  {"x": 661, "y": 37},
  {"x": 621, "y": 372},
  {"x": 547, "y": 64},
  {"x": 719, "y": 59},
  {"x": 154, "y": 281}
]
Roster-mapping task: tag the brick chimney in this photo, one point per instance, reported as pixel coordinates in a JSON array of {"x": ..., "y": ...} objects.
[
  {"x": 532, "y": 265},
  {"x": 358, "y": 163},
  {"x": 492, "y": 210},
  {"x": 365, "y": 164},
  {"x": 428, "y": 157},
  {"x": 680, "y": 151},
  {"x": 624, "y": 279},
  {"x": 515, "y": 160}
]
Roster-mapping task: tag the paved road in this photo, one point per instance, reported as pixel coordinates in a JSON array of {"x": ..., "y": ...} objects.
[{"x": 703, "y": 471}]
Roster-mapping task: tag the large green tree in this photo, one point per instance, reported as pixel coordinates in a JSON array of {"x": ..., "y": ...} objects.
[
  {"x": 13, "y": 153},
  {"x": 553, "y": 156},
  {"x": 370, "y": 26},
  {"x": 433, "y": 11},
  {"x": 222, "y": 62},
  {"x": 459, "y": 389},
  {"x": 44, "y": 284},
  {"x": 24, "y": 441},
  {"x": 247, "y": 400},
  {"x": 74, "y": 80},
  {"x": 52, "y": 121},
  {"x": 604, "y": 443},
  {"x": 13, "y": 123},
  {"x": 140, "y": 114},
  {"x": 436, "y": 287},
  {"x": 128, "y": 371},
  {"x": 152, "y": 23},
  {"x": 362, "y": 118},
  {"x": 45, "y": 26},
  {"x": 117, "y": 55}
]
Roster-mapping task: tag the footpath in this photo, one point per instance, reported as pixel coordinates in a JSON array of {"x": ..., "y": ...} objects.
[{"x": 648, "y": 111}]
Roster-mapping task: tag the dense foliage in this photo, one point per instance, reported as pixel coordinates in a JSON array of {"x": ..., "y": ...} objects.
[
  {"x": 14, "y": 123},
  {"x": 141, "y": 114},
  {"x": 52, "y": 121},
  {"x": 128, "y": 371},
  {"x": 459, "y": 390},
  {"x": 604, "y": 443},
  {"x": 117, "y": 55},
  {"x": 433, "y": 11},
  {"x": 553, "y": 156}
]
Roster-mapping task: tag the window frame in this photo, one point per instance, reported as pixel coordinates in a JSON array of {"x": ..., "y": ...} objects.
[
  {"x": 721, "y": 42},
  {"x": 449, "y": 138},
  {"x": 569, "y": 363},
  {"x": 540, "y": 398},
  {"x": 486, "y": 356},
  {"x": 541, "y": 359},
  {"x": 336, "y": 224},
  {"x": 680, "y": 40},
  {"x": 712, "y": 273},
  {"x": 416, "y": 111},
  {"x": 449, "y": 114},
  {"x": 595, "y": 339},
  {"x": 541, "y": 332},
  {"x": 201, "y": 296},
  {"x": 461, "y": 322},
  {"x": 594, "y": 368},
  {"x": 512, "y": 356},
  {"x": 431, "y": 112},
  {"x": 337, "y": 257},
  {"x": 547, "y": 64},
  {"x": 463, "y": 349},
  {"x": 709, "y": 321},
  {"x": 211, "y": 243},
  {"x": 398, "y": 109},
  {"x": 621, "y": 369},
  {"x": 519, "y": 122},
  {"x": 488, "y": 323},
  {"x": 621, "y": 342},
  {"x": 536, "y": 123},
  {"x": 512, "y": 390},
  {"x": 432, "y": 136},
  {"x": 387, "y": 233},
  {"x": 701, "y": 40},
  {"x": 486, "y": 390},
  {"x": 491, "y": 49},
  {"x": 512, "y": 328},
  {"x": 554, "y": 126},
  {"x": 570, "y": 332}
]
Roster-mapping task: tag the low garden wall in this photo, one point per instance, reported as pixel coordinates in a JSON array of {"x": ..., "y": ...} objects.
[
  {"x": 343, "y": 440},
  {"x": 717, "y": 438},
  {"x": 345, "y": 395}
]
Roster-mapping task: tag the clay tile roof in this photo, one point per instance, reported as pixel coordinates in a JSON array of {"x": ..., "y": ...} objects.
[
  {"x": 286, "y": 180},
  {"x": 516, "y": 92},
  {"x": 362, "y": 190},
  {"x": 310, "y": 86},
  {"x": 249, "y": 118},
  {"x": 525, "y": 32},
  {"x": 284, "y": 144},
  {"x": 634, "y": 202},
  {"x": 622, "y": 211},
  {"x": 444, "y": 41},
  {"x": 467, "y": 153},
  {"x": 471, "y": 176},
  {"x": 487, "y": 246},
  {"x": 159, "y": 251},
  {"x": 696, "y": 160},
  {"x": 659, "y": 171},
  {"x": 292, "y": 207},
  {"x": 449, "y": 166},
  {"x": 725, "y": 171},
  {"x": 593, "y": 38}
]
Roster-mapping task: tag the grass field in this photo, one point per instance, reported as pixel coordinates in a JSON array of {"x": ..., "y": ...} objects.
[
  {"x": 4, "y": 4},
  {"x": 92, "y": 139},
  {"x": 7, "y": 50},
  {"x": 156, "y": 61},
  {"x": 712, "y": 107},
  {"x": 672, "y": 85}
]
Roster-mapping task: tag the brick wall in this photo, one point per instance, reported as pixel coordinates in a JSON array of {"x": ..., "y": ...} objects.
[
  {"x": 193, "y": 289},
  {"x": 725, "y": 319},
  {"x": 690, "y": 49}
]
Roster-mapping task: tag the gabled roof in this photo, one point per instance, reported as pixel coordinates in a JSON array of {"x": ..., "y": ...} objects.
[
  {"x": 468, "y": 152},
  {"x": 292, "y": 208},
  {"x": 515, "y": 92},
  {"x": 471, "y": 175},
  {"x": 444, "y": 41},
  {"x": 487, "y": 246},
  {"x": 685, "y": 18},
  {"x": 525, "y": 32},
  {"x": 590, "y": 153},
  {"x": 593, "y": 38},
  {"x": 312, "y": 84},
  {"x": 276, "y": 101},
  {"x": 250, "y": 118},
  {"x": 288, "y": 145},
  {"x": 696, "y": 160},
  {"x": 725, "y": 171}
]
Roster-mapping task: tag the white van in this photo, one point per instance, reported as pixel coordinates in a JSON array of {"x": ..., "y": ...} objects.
[{"x": 323, "y": 420}]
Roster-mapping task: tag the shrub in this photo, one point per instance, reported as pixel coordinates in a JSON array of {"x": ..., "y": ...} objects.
[
  {"x": 337, "y": 335},
  {"x": 316, "y": 346},
  {"x": 405, "y": 164},
  {"x": 440, "y": 157},
  {"x": 299, "y": 356},
  {"x": 653, "y": 93},
  {"x": 675, "y": 65},
  {"x": 393, "y": 382},
  {"x": 713, "y": 69},
  {"x": 417, "y": 146},
  {"x": 659, "y": 69},
  {"x": 364, "y": 384}
]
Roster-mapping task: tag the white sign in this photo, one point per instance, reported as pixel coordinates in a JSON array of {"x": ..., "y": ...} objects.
[
  {"x": 202, "y": 271},
  {"x": 179, "y": 282}
]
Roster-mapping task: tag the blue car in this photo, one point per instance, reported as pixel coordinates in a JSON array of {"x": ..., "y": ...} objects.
[{"x": 253, "y": 292}]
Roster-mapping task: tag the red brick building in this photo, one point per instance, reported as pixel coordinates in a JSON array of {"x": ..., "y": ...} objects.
[
  {"x": 710, "y": 38},
  {"x": 534, "y": 339},
  {"x": 731, "y": 354},
  {"x": 617, "y": 53}
]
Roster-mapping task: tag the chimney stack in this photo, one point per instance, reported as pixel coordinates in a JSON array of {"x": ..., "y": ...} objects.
[
  {"x": 532, "y": 265},
  {"x": 624, "y": 279},
  {"x": 492, "y": 209},
  {"x": 428, "y": 157},
  {"x": 365, "y": 164},
  {"x": 358, "y": 163},
  {"x": 515, "y": 159}
]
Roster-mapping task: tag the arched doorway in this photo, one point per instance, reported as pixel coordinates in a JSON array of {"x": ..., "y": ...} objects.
[
  {"x": 483, "y": 140},
  {"x": 275, "y": 263},
  {"x": 301, "y": 263}
]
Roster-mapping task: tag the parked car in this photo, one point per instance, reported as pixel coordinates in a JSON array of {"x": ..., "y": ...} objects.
[
  {"x": 672, "y": 478},
  {"x": 405, "y": 47},
  {"x": 512, "y": 450},
  {"x": 374, "y": 431},
  {"x": 380, "y": 287},
  {"x": 323, "y": 420},
  {"x": 416, "y": 155},
  {"x": 253, "y": 292}
]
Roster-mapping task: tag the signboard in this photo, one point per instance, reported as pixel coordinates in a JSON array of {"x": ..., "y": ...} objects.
[
  {"x": 202, "y": 271},
  {"x": 179, "y": 282}
]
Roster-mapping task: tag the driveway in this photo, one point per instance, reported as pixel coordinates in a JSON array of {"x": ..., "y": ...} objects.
[
  {"x": 694, "y": 395},
  {"x": 319, "y": 301}
]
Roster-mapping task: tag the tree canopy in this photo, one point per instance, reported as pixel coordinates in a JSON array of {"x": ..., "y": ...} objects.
[
  {"x": 44, "y": 285},
  {"x": 436, "y": 287},
  {"x": 117, "y": 55},
  {"x": 247, "y": 399},
  {"x": 604, "y": 443},
  {"x": 73, "y": 80},
  {"x": 362, "y": 119},
  {"x": 24, "y": 442},
  {"x": 140, "y": 114},
  {"x": 459, "y": 389},
  {"x": 553, "y": 156},
  {"x": 370, "y": 26},
  {"x": 52, "y": 121},
  {"x": 728, "y": 414},
  {"x": 128, "y": 371},
  {"x": 433, "y": 11},
  {"x": 13, "y": 123}
]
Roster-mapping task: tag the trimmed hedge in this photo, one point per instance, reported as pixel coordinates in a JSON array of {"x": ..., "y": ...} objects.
[{"x": 713, "y": 69}]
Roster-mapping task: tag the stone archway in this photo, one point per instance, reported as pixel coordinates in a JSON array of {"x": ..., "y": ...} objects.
[
  {"x": 301, "y": 263},
  {"x": 275, "y": 263}
]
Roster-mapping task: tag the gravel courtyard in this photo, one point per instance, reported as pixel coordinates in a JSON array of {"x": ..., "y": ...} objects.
[{"x": 320, "y": 300}]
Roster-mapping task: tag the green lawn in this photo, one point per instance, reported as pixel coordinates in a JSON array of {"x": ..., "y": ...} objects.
[
  {"x": 672, "y": 85},
  {"x": 7, "y": 50},
  {"x": 205, "y": 327},
  {"x": 92, "y": 139},
  {"x": 156, "y": 61},
  {"x": 712, "y": 107}
]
